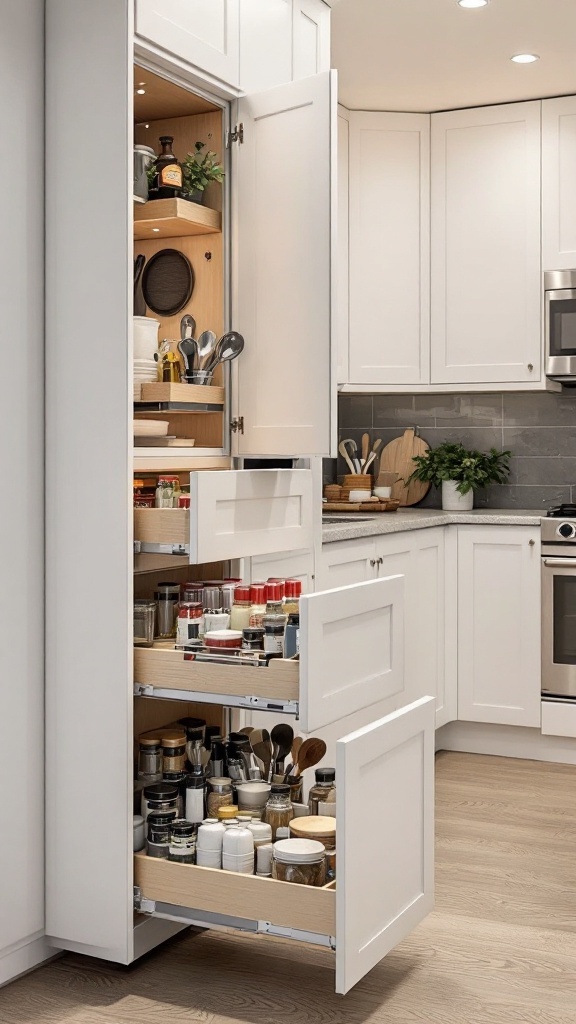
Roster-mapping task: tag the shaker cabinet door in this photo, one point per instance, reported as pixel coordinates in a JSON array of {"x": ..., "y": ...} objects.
[
  {"x": 205, "y": 33},
  {"x": 282, "y": 294},
  {"x": 311, "y": 34},
  {"x": 558, "y": 175},
  {"x": 385, "y": 860}
]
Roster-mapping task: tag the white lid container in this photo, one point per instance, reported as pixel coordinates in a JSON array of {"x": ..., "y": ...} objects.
[{"x": 298, "y": 851}]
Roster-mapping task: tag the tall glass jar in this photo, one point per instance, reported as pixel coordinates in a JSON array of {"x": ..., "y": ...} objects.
[
  {"x": 219, "y": 795},
  {"x": 278, "y": 811},
  {"x": 323, "y": 792},
  {"x": 149, "y": 760}
]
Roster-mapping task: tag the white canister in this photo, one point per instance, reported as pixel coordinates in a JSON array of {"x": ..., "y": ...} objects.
[
  {"x": 264, "y": 860},
  {"x": 145, "y": 337},
  {"x": 139, "y": 833},
  {"x": 453, "y": 501},
  {"x": 359, "y": 495}
]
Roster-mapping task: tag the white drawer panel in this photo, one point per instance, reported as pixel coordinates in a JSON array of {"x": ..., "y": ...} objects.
[{"x": 558, "y": 718}]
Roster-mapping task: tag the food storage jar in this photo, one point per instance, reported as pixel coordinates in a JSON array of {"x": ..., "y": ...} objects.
[
  {"x": 173, "y": 751},
  {"x": 219, "y": 795},
  {"x": 323, "y": 791},
  {"x": 144, "y": 622},
  {"x": 159, "y": 824},
  {"x": 159, "y": 797},
  {"x": 167, "y": 596},
  {"x": 149, "y": 760},
  {"x": 278, "y": 810},
  {"x": 182, "y": 842},
  {"x": 223, "y": 638},
  {"x": 301, "y": 861}
]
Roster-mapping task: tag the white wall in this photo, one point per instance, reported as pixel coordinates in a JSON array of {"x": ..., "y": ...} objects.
[{"x": 21, "y": 473}]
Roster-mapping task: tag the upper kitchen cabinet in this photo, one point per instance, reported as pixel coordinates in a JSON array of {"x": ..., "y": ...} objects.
[
  {"x": 311, "y": 38},
  {"x": 281, "y": 40},
  {"x": 558, "y": 177},
  {"x": 389, "y": 235},
  {"x": 204, "y": 33},
  {"x": 282, "y": 269},
  {"x": 486, "y": 278}
]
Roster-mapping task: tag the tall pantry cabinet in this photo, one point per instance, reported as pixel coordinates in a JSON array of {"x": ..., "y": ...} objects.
[{"x": 279, "y": 402}]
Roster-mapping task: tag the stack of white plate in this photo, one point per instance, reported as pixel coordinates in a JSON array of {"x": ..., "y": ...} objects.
[{"x": 145, "y": 372}]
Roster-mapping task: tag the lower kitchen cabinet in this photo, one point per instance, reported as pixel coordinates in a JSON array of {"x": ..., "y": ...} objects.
[
  {"x": 346, "y": 562},
  {"x": 499, "y": 624},
  {"x": 385, "y": 873}
]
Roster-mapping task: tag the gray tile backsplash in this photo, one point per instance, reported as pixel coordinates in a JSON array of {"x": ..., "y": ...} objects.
[{"x": 539, "y": 430}]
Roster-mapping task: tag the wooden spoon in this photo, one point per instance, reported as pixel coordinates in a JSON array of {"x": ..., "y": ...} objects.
[
  {"x": 247, "y": 730},
  {"x": 311, "y": 752},
  {"x": 260, "y": 743}
]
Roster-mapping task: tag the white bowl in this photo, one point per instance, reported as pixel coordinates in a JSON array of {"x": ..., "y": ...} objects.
[
  {"x": 252, "y": 794},
  {"x": 238, "y": 841},
  {"x": 145, "y": 337},
  {"x": 208, "y": 859},
  {"x": 359, "y": 495}
]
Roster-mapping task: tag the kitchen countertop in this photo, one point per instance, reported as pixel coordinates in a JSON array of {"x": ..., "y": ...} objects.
[{"x": 423, "y": 518}]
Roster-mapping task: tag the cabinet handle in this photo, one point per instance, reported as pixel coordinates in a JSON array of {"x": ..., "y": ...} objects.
[
  {"x": 373, "y": 562},
  {"x": 530, "y": 367},
  {"x": 380, "y": 561},
  {"x": 531, "y": 543}
]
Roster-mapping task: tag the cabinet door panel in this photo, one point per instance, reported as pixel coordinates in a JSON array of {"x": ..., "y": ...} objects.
[
  {"x": 351, "y": 650},
  {"x": 282, "y": 301},
  {"x": 311, "y": 32},
  {"x": 386, "y": 883},
  {"x": 389, "y": 248},
  {"x": 265, "y": 44},
  {"x": 499, "y": 625},
  {"x": 342, "y": 324},
  {"x": 290, "y": 565},
  {"x": 344, "y": 563},
  {"x": 486, "y": 286},
  {"x": 558, "y": 176},
  {"x": 203, "y": 32}
]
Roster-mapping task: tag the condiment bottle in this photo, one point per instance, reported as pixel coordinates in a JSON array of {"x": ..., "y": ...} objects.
[
  {"x": 274, "y": 598},
  {"x": 167, "y": 596},
  {"x": 182, "y": 847},
  {"x": 257, "y": 604},
  {"x": 292, "y": 636},
  {"x": 190, "y": 624},
  {"x": 195, "y": 795},
  {"x": 292, "y": 594},
  {"x": 278, "y": 810},
  {"x": 167, "y": 183},
  {"x": 274, "y": 626},
  {"x": 241, "y": 607},
  {"x": 323, "y": 792}
]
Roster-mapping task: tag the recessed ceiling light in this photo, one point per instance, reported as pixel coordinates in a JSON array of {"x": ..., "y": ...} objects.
[
  {"x": 525, "y": 58},
  {"x": 155, "y": 229},
  {"x": 141, "y": 92},
  {"x": 472, "y": 3}
]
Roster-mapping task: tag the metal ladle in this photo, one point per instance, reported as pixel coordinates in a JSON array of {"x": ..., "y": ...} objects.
[{"x": 228, "y": 347}]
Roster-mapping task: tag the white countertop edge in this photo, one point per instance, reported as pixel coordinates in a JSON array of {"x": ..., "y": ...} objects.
[{"x": 424, "y": 518}]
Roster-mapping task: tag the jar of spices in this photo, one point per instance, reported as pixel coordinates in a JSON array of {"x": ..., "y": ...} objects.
[
  {"x": 240, "y": 613},
  {"x": 149, "y": 759},
  {"x": 253, "y": 639},
  {"x": 159, "y": 797},
  {"x": 167, "y": 492},
  {"x": 219, "y": 795},
  {"x": 274, "y": 598},
  {"x": 182, "y": 842},
  {"x": 292, "y": 636},
  {"x": 257, "y": 604},
  {"x": 178, "y": 779},
  {"x": 323, "y": 792},
  {"x": 158, "y": 833},
  {"x": 167, "y": 596},
  {"x": 173, "y": 751},
  {"x": 292, "y": 594},
  {"x": 274, "y": 626},
  {"x": 301, "y": 861},
  {"x": 278, "y": 810},
  {"x": 192, "y": 593},
  {"x": 190, "y": 623}
]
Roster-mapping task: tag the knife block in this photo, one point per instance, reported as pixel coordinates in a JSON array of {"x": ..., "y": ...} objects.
[{"x": 355, "y": 482}]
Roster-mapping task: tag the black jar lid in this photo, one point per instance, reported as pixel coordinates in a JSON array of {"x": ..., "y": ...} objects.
[
  {"x": 253, "y": 633},
  {"x": 325, "y": 774},
  {"x": 174, "y": 777},
  {"x": 181, "y": 827},
  {"x": 294, "y": 619},
  {"x": 280, "y": 787},
  {"x": 160, "y": 817},
  {"x": 160, "y": 792}
]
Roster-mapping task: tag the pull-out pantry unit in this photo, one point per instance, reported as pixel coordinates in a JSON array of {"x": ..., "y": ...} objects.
[{"x": 262, "y": 254}]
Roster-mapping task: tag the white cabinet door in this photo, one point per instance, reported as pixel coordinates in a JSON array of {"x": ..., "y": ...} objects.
[
  {"x": 351, "y": 650},
  {"x": 499, "y": 624},
  {"x": 289, "y": 565},
  {"x": 282, "y": 301},
  {"x": 342, "y": 283},
  {"x": 346, "y": 562},
  {"x": 486, "y": 281},
  {"x": 265, "y": 44},
  {"x": 389, "y": 248},
  {"x": 558, "y": 177},
  {"x": 205, "y": 33},
  {"x": 311, "y": 31},
  {"x": 385, "y": 881}
]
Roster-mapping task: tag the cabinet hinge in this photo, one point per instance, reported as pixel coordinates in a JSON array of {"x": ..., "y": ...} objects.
[
  {"x": 235, "y": 136},
  {"x": 237, "y": 425},
  {"x": 141, "y": 904}
]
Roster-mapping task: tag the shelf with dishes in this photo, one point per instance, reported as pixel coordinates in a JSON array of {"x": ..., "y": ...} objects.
[{"x": 174, "y": 218}]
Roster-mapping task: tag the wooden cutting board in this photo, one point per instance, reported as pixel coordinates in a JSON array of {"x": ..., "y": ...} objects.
[{"x": 397, "y": 458}]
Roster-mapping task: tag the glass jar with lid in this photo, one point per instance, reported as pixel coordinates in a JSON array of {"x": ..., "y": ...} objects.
[
  {"x": 149, "y": 760},
  {"x": 240, "y": 613},
  {"x": 278, "y": 811},
  {"x": 301, "y": 861},
  {"x": 323, "y": 792},
  {"x": 158, "y": 827},
  {"x": 173, "y": 751},
  {"x": 178, "y": 779},
  {"x": 167, "y": 597},
  {"x": 144, "y": 622},
  {"x": 190, "y": 623},
  {"x": 159, "y": 797},
  {"x": 219, "y": 795},
  {"x": 182, "y": 847}
]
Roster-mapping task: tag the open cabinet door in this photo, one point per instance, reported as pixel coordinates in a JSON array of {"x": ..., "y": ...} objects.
[
  {"x": 385, "y": 859},
  {"x": 285, "y": 202}
]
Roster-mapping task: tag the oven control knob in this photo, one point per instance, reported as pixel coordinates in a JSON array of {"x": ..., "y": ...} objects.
[{"x": 567, "y": 530}]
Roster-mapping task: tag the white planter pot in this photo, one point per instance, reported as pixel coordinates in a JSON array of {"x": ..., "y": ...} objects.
[{"x": 453, "y": 501}]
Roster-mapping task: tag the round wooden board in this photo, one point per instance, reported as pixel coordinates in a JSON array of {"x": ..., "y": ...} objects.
[{"x": 397, "y": 458}]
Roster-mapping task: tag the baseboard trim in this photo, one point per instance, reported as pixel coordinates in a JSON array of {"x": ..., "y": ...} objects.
[
  {"x": 505, "y": 741},
  {"x": 25, "y": 957}
]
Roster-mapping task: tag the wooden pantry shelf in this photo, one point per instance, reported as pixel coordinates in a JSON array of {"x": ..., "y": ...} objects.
[
  {"x": 180, "y": 394},
  {"x": 174, "y": 218},
  {"x": 165, "y": 668}
]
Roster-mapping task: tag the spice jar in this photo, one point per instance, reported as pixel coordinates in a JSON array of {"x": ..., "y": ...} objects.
[
  {"x": 159, "y": 797},
  {"x": 167, "y": 596},
  {"x": 292, "y": 594},
  {"x": 165, "y": 491},
  {"x": 274, "y": 634},
  {"x": 278, "y": 810},
  {"x": 219, "y": 795},
  {"x": 182, "y": 847},
  {"x": 323, "y": 792},
  {"x": 173, "y": 751},
  {"x": 274, "y": 597},
  {"x": 149, "y": 760},
  {"x": 192, "y": 593},
  {"x": 257, "y": 604},
  {"x": 178, "y": 780},
  {"x": 301, "y": 861},
  {"x": 190, "y": 622},
  {"x": 158, "y": 838},
  {"x": 253, "y": 639},
  {"x": 144, "y": 622},
  {"x": 292, "y": 636},
  {"x": 240, "y": 613}
]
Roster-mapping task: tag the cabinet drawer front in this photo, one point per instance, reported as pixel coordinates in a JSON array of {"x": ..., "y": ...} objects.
[
  {"x": 558, "y": 718},
  {"x": 351, "y": 649}
]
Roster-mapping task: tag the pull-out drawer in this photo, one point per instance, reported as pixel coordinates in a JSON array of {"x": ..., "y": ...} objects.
[
  {"x": 384, "y": 862},
  {"x": 351, "y": 657},
  {"x": 233, "y": 514}
]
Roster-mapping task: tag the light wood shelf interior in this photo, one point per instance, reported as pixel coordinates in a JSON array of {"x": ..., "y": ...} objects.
[
  {"x": 165, "y": 668},
  {"x": 174, "y": 218}
]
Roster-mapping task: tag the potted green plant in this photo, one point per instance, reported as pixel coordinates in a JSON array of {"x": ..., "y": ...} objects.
[
  {"x": 198, "y": 170},
  {"x": 460, "y": 471}
]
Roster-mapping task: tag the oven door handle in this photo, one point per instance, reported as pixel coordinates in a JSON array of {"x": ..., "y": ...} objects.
[{"x": 567, "y": 563}]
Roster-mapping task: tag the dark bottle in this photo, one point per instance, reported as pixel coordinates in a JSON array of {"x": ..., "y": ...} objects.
[{"x": 167, "y": 182}]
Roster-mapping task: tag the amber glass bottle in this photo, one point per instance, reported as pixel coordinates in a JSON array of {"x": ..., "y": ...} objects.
[{"x": 167, "y": 182}]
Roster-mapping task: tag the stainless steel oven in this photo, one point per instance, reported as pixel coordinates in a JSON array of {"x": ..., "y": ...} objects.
[
  {"x": 559, "y": 603},
  {"x": 560, "y": 325}
]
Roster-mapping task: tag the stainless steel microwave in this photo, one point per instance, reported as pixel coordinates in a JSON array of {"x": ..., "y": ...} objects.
[{"x": 560, "y": 325}]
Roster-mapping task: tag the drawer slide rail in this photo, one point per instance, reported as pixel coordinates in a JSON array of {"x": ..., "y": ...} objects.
[
  {"x": 278, "y": 706},
  {"x": 208, "y": 919}
]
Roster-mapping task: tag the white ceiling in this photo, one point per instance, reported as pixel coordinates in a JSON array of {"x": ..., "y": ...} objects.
[{"x": 424, "y": 55}]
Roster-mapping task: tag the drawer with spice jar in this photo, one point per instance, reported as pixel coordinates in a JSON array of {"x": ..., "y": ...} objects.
[
  {"x": 350, "y": 657},
  {"x": 232, "y": 514},
  {"x": 385, "y": 876}
]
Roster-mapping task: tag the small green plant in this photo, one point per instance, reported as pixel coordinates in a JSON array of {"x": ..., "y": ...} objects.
[
  {"x": 199, "y": 169},
  {"x": 469, "y": 468}
]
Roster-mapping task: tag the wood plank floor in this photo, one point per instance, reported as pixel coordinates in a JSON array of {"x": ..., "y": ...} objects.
[{"x": 500, "y": 946}]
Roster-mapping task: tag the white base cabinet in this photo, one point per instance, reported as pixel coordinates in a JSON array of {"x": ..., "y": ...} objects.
[{"x": 499, "y": 624}]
